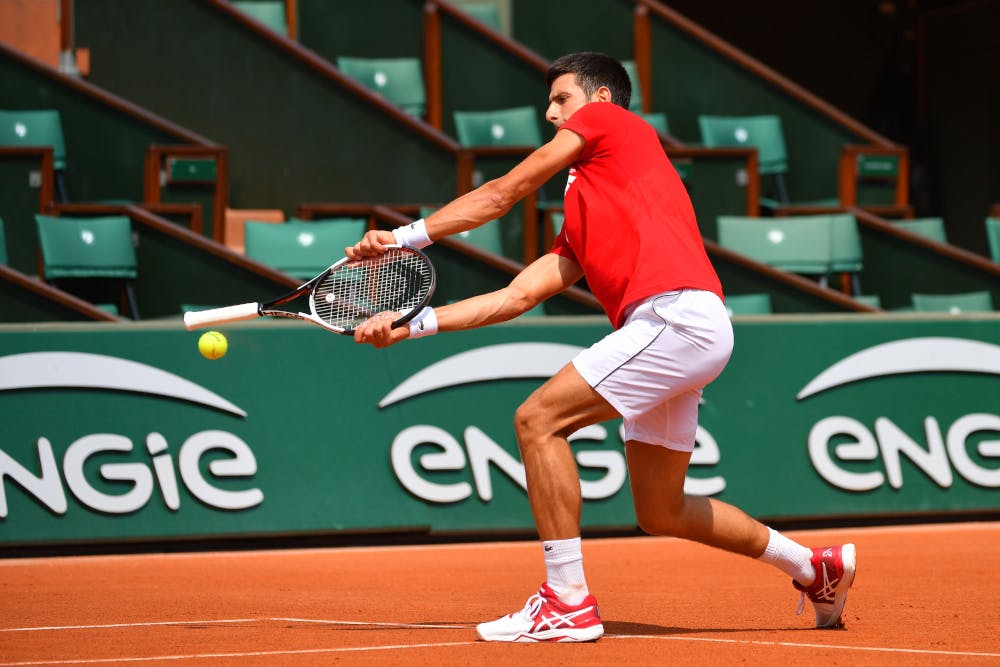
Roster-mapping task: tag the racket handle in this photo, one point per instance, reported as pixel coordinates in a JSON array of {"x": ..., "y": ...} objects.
[{"x": 207, "y": 318}]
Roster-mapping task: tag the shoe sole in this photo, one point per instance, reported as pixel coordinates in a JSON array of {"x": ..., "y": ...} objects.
[
  {"x": 591, "y": 634},
  {"x": 849, "y": 557}
]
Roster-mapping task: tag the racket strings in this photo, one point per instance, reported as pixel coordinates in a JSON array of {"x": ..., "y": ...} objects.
[{"x": 397, "y": 280}]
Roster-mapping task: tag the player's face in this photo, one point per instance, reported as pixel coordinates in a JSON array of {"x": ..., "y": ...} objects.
[{"x": 565, "y": 98}]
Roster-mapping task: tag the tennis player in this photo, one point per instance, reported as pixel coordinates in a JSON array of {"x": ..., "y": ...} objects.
[{"x": 630, "y": 229}]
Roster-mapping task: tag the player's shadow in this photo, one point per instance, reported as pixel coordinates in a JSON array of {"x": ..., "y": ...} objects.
[{"x": 648, "y": 629}]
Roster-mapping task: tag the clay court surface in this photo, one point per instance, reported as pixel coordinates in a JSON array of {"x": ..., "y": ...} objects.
[{"x": 924, "y": 595}]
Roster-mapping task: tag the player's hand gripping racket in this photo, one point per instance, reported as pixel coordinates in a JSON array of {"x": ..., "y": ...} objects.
[{"x": 342, "y": 297}]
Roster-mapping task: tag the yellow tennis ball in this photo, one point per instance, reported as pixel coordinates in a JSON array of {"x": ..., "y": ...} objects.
[{"x": 212, "y": 345}]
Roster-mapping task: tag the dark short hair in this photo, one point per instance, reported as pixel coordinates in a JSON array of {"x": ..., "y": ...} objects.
[{"x": 592, "y": 71}]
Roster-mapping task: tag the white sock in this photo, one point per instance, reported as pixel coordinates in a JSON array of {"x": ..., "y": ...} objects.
[
  {"x": 564, "y": 570},
  {"x": 790, "y": 557}
]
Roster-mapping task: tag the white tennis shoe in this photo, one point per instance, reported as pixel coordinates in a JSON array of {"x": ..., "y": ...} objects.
[{"x": 545, "y": 618}]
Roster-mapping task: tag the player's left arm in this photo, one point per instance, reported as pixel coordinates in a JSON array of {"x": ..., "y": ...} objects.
[
  {"x": 491, "y": 200},
  {"x": 548, "y": 275}
]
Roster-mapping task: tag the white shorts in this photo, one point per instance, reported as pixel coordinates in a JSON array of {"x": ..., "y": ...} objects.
[{"x": 654, "y": 368}]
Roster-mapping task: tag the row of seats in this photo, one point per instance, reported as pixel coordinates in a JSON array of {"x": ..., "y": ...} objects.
[
  {"x": 75, "y": 248},
  {"x": 954, "y": 304}
]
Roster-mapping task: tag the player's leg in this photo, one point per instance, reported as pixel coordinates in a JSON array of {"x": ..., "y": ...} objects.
[
  {"x": 657, "y": 472},
  {"x": 563, "y": 610}
]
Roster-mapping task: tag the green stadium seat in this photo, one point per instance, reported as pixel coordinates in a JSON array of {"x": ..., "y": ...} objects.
[
  {"x": 518, "y": 126},
  {"x": 89, "y": 248},
  {"x": 635, "y": 104},
  {"x": 964, "y": 302},
  {"x": 749, "y": 304},
  {"x": 398, "y": 80},
  {"x": 486, "y": 237},
  {"x": 932, "y": 228},
  {"x": 764, "y": 133},
  {"x": 845, "y": 246},
  {"x": 269, "y": 12},
  {"x": 41, "y": 127},
  {"x": 302, "y": 249},
  {"x": 486, "y": 13},
  {"x": 658, "y": 120},
  {"x": 873, "y": 300},
  {"x": 799, "y": 244},
  {"x": 993, "y": 237}
]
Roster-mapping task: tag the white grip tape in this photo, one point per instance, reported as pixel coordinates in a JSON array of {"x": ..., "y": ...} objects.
[
  {"x": 413, "y": 234},
  {"x": 424, "y": 324},
  {"x": 205, "y": 318}
]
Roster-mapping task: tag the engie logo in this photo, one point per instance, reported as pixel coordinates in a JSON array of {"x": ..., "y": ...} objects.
[
  {"x": 945, "y": 448},
  {"x": 39, "y": 370},
  {"x": 480, "y": 453}
]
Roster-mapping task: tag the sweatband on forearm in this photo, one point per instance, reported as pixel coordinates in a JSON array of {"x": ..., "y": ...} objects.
[
  {"x": 413, "y": 234},
  {"x": 424, "y": 324}
]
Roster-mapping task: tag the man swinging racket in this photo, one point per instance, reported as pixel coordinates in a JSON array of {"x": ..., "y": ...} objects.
[{"x": 630, "y": 229}]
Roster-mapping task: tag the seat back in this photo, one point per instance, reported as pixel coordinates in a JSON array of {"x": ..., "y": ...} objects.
[
  {"x": 749, "y": 304},
  {"x": 302, "y": 249},
  {"x": 398, "y": 80},
  {"x": 932, "y": 228},
  {"x": 993, "y": 237},
  {"x": 269, "y": 12},
  {"x": 86, "y": 247},
  {"x": 798, "y": 245},
  {"x": 486, "y": 237},
  {"x": 658, "y": 120},
  {"x": 761, "y": 132},
  {"x": 845, "y": 242},
  {"x": 635, "y": 104},
  {"x": 517, "y": 126},
  {"x": 486, "y": 13},
  {"x": 963, "y": 302},
  {"x": 41, "y": 127}
]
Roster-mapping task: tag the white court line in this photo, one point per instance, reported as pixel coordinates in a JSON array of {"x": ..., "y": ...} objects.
[
  {"x": 144, "y": 624},
  {"x": 243, "y": 654},
  {"x": 839, "y": 647}
]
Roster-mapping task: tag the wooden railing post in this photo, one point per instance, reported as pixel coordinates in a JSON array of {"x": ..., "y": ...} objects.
[
  {"x": 432, "y": 62},
  {"x": 642, "y": 51}
]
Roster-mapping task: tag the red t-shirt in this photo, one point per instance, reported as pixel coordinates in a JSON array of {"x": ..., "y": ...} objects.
[{"x": 628, "y": 218}]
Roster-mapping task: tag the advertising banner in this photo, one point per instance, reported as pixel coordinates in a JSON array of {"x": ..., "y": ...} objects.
[{"x": 124, "y": 432}]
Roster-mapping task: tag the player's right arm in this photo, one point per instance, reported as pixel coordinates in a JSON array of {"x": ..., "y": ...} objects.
[{"x": 490, "y": 201}]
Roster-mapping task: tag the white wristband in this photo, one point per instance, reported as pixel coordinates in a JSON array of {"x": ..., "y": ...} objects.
[
  {"x": 424, "y": 324},
  {"x": 413, "y": 234}
]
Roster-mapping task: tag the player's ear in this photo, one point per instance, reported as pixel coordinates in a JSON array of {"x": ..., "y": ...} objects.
[{"x": 603, "y": 94}]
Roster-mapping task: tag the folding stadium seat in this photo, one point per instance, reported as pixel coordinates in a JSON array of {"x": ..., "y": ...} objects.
[
  {"x": 845, "y": 248},
  {"x": 764, "y": 133},
  {"x": 518, "y": 126},
  {"x": 932, "y": 228},
  {"x": 269, "y": 12},
  {"x": 398, "y": 80},
  {"x": 979, "y": 301},
  {"x": 655, "y": 118},
  {"x": 302, "y": 249},
  {"x": 233, "y": 234},
  {"x": 42, "y": 127},
  {"x": 749, "y": 304},
  {"x": 796, "y": 244},
  {"x": 993, "y": 237},
  {"x": 486, "y": 13},
  {"x": 89, "y": 248}
]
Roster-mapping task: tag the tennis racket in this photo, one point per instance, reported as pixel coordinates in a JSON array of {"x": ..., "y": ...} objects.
[{"x": 346, "y": 294}]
